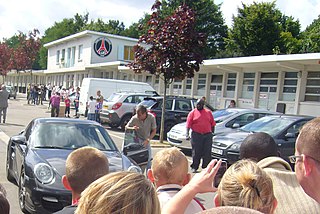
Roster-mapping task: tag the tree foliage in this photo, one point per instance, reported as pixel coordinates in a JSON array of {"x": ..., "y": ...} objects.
[
  {"x": 208, "y": 20},
  {"x": 256, "y": 29},
  {"x": 5, "y": 55},
  {"x": 310, "y": 37},
  {"x": 171, "y": 49}
]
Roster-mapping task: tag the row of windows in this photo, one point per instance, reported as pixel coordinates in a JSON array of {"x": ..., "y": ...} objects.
[{"x": 67, "y": 58}]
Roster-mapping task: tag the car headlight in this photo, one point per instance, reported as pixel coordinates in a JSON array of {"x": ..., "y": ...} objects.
[
  {"x": 235, "y": 146},
  {"x": 135, "y": 169},
  {"x": 43, "y": 173}
]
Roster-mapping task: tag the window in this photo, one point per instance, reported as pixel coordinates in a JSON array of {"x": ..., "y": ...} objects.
[
  {"x": 182, "y": 105},
  {"x": 73, "y": 56},
  {"x": 248, "y": 85},
  {"x": 268, "y": 82},
  {"x": 80, "y": 53},
  {"x": 189, "y": 83},
  {"x": 313, "y": 87},
  {"x": 58, "y": 57},
  {"x": 231, "y": 84},
  {"x": 63, "y": 53},
  {"x": 128, "y": 53},
  {"x": 202, "y": 81},
  {"x": 290, "y": 86}
]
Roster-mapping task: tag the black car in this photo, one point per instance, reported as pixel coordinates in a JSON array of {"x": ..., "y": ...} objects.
[
  {"x": 283, "y": 128},
  {"x": 36, "y": 159},
  {"x": 176, "y": 109}
]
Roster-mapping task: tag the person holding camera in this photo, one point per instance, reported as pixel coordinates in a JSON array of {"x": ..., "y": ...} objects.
[{"x": 202, "y": 123}]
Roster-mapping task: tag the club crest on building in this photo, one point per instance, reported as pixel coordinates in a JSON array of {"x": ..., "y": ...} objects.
[{"x": 102, "y": 46}]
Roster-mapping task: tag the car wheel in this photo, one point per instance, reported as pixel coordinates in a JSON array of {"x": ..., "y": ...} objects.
[
  {"x": 22, "y": 192},
  {"x": 112, "y": 125},
  {"x": 125, "y": 121}
]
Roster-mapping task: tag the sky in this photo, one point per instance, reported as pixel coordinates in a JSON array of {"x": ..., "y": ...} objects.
[{"x": 24, "y": 16}]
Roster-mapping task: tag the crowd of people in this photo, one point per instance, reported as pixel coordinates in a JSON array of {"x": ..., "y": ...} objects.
[{"x": 260, "y": 182}]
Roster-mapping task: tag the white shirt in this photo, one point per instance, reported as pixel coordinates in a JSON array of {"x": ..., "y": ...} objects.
[
  {"x": 166, "y": 192},
  {"x": 91, "y": 106}
]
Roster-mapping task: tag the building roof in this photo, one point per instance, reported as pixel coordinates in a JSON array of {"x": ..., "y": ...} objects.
[{"x": 87, "y": 33}]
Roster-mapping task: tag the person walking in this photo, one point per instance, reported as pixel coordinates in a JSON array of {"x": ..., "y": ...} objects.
[
  {"x": 202, "y": 123},
  {"x": 55, "y": 105},
  {"x": 4, "y": 95},
  {"x": 145, "y": 126}
]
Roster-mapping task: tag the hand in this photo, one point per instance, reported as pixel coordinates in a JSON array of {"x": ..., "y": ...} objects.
[
  {"x": 187, "y": 137},
  {"x": 203, "y": 181},
  {"x": 135, "y": 127},
  {"x": 145, "y": 143}
]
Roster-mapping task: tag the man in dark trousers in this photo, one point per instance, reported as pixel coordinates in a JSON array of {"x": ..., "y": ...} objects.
[{"x": 201, "y": 121}]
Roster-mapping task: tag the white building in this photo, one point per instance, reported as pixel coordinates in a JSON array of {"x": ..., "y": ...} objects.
[{"x": 253, "y": 82}]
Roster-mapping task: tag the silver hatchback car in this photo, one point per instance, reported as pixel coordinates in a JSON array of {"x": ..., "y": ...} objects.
[{"x": 226, "y": 121}]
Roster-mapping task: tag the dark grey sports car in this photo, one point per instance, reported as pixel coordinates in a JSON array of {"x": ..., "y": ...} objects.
[{"x": 36, "y": 159}]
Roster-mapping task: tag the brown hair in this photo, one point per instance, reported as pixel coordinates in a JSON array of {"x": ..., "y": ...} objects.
[
  {"x": 245, "y": 184},
  {"x": 308, "y": 142},
  {"x": 170, "y": 166},
  {"x": 4, "y": 203},
  {"x": 85, "y": 165},
  {"x": 120, "y": 193}
]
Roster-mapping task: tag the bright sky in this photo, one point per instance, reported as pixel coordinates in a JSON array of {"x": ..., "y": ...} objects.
[{"x": 20, "y": 15}]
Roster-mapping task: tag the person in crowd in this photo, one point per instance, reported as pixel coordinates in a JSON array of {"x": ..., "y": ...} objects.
[
  {"x": 145, "y": 126},
  {"x": 98, "y": 110},
  {"x": 169, "y": 173},
  {"x": 119, "y": 193},
  {"x": 83, "y": 166},
  {"x": 55, "y": 104},
  {"x": 262, "y": 148},
  {"x": 91, "y": 108},
  {"x": 35, "y": 94},
  {"x": 28, "y": 91},
  {"x": 244, "y": 184},
  {"x": 99, "y": 96},
  {"x": 67, "y": 102},
  {"x": 49, "y": 87},
  {"x": 307, "y": 158},
  {"x": 4, "y": 203},
  {"x": 76, "y": 102},
  {"x": 4, "y": 95},
  {"x": 232, "y": 104},
  {"x": 201, "y": 121}
]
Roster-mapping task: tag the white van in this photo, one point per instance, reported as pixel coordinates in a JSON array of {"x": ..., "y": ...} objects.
[{"x": 90, "y": 86}]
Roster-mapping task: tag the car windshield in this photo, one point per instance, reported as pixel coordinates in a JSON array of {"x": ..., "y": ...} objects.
[
  {"x": 148, "y": 102},
  {"x": 114, "y": 97},
  {"x": 269, "y": 125},
  {"x": 71, "y": 136},
  {"x": 220, "y": 115}
]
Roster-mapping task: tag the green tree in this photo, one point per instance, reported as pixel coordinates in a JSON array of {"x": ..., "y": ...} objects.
[
  {"x": 208, "y": 20},
  {"x": 256, "y": 29},
  {"x": 112, "y": 26},
  {"x": 137, "y": 29},
  {"x": 310, "y": 37},
  {"x": 172, "y": 48}
]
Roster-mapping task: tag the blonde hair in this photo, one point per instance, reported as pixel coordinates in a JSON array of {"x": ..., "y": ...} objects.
[
  {"x": 120, "y": 193},
  {"x": 85, "y": 165},
  {"x": 245, "y": 184},
  {"x": 170, "y": 166}
]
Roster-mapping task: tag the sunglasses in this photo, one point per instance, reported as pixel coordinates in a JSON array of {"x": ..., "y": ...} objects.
[{"x": 294, "y": 158}]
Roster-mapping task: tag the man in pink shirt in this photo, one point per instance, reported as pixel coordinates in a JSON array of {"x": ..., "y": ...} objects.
[{"x": 201, "y": 121}]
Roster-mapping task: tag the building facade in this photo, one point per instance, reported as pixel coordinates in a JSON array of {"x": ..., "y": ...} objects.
[{"x": 290, "y": 83}]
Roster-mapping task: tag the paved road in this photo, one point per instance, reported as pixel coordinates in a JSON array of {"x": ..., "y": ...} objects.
[{"x": 18, "y": 116}]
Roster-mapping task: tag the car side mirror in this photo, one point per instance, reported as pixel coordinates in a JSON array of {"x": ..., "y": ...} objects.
[
  {"x": 19, "y": 140},
  {"x": 290, "y": 135},
  {"x": 236, "y": 125}
]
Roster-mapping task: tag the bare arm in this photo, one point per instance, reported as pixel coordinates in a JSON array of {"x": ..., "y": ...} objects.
[{"x": 200, "y": 183}]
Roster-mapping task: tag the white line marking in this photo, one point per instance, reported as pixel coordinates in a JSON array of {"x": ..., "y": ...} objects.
[{"x": 5, "y": 138}]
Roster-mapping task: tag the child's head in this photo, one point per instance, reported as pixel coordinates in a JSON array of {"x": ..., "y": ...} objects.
[
  {"x": 245, "y": 184},
  {"x": 91, "y": 97},
  {"x": 169, "y": 166}
]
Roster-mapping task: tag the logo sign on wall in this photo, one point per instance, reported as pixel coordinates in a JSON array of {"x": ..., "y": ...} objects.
[{"x": 102, "y": 46}]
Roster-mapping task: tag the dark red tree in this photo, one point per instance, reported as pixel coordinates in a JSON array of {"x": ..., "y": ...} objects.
[
  {"x": 171, "y": 49},
  {"x": 5, "y": 55}
]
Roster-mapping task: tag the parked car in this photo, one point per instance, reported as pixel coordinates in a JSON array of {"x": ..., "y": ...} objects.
[
  {"x": 283, "y": 128},
  {"x": 36, "y": 159},
  {"x": 226, "y": 120},
  {"x": 118, "y": 109},
  {"x": 12, "y": 91},
  {"x": 176, "y": 109}
]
